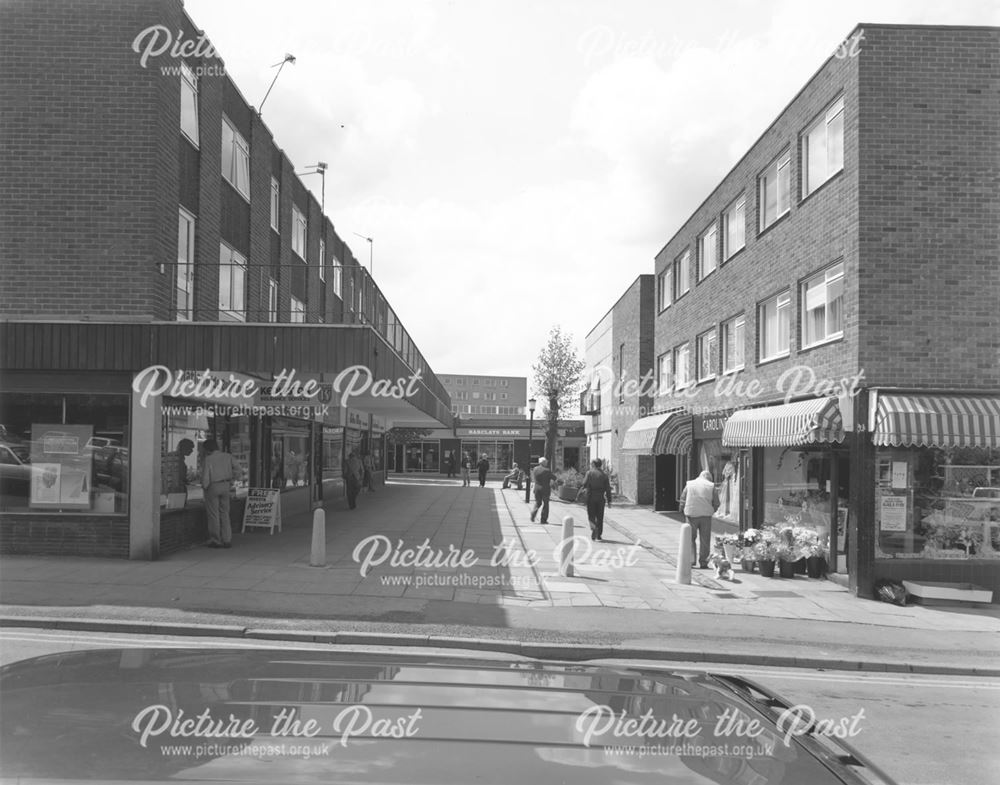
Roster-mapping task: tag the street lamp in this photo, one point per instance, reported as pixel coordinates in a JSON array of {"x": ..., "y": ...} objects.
[
  {"x": 531, "y": 428},
  {"x": 319, "y": 169}
]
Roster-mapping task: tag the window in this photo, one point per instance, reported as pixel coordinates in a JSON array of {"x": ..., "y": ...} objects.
[
  {"x": 773, "y": 317},
  {"x": 665, "y": 288},
  {"x": 682, "y": 371},
  {"x": 185, "y": 266},
  {"x": 235, "y": 158},
  {"x": 299, "y": 233},
  {"x": 322, "y": 259},
  {"x": 232, "y": 284},
  {"x": 504, "y": 396},
  {"x": 706, "y": 348},
  {"x": 707, "y": 253},
  {"x": 298, "y": 311},
  {"x": 475, "y": 395},
  {"x": 734, "y": 228},
  {"x": 733, "y": 336},
  {"x": 460, "y": 380},
  {"x": 621, "y": 373},
  {"x": 275, "y": 205},
  {"x": 774, "y": 190},
  {"x": 189, "y": 104},
  {"x": 823, "y": 306},
  {"x": 823, "y": 148},
  {"x": 682, "y": 275},
  {"x": 272, "y": 300},
  {"x": 461, "y": 395},
  {"x": 338, "y": 277},
  {"x": 664, "y": 372}
]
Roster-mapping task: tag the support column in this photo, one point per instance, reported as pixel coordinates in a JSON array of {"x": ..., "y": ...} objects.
[{"x": 144, "y": 478}]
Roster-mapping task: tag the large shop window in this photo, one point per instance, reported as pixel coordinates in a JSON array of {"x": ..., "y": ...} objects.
[
  {"x": 499, "y": 454},
  {"x": 333, "y": 453},
  {"x": 185, "y": 429},
  {"x": 64, "y": 453},
  {"x": 290, "y": 453},
  {"x": 934, "y": 503}
]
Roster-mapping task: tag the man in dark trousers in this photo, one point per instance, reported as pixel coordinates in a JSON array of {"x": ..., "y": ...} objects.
[
  {"x": 542, "y": 477},
  {"x": 699, "y": 500},
  {"x": 483, "y": 466},
  {"x": 218, "y": 472},
  {"x": 353, "y": 474},
  {"x": 598, "y": 487}
]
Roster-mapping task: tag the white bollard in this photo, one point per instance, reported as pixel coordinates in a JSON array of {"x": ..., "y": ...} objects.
[
  {"x": 318, "y": 556},
  {"x": 684, "y": 555},
  {"x": 566, "y": 548}
]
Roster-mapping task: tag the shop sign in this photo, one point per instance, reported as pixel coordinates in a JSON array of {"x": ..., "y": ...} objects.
[
  {"x": 356, "y": 419},
  {"x": 322, "y": 393},
  {"x": 492, "y": 431},
  {"x": 709, "y": 426},
  {"x": 378, "y": 425}
]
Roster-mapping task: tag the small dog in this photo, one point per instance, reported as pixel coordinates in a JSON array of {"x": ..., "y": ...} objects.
[{"x": 723, "y": 569}]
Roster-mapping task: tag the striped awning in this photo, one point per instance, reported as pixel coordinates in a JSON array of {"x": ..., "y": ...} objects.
[
  {"x": 936, "y": 421},
  {"x": 817, "y": 420},
  {"x": 660, "y": 434}
]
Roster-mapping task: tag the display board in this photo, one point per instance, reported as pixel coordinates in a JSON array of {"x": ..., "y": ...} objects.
[{"x": 263, "y": 509}]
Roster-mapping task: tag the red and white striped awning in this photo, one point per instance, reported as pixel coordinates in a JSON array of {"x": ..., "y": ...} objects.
[
  {"x": 936, "y": 421},
  {"x": 660, "y": 434},
  {"x": 817, "y": 420}
]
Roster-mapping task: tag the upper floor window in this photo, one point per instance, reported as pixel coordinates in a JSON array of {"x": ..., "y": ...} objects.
[
  {"x": 298, "y": 311},
  {"x": 707, "y": 349},
  {"x": 272, "y": 300},
  {"x": 299, "y": 232},
  {"x": 823, "y": 148},
  {"x": 459, "y": 380},
  {"x": 823, "y": 306},
  {"x": 733, "y": 338},
  {"x": 664, "y": 372},
  {"x": 682, "y": 275},
  {"x": 682, "y": 366},
  {"x": 232, "y": 284},
  {"x": 338, "y": 277},
  {"x": 775, "y": 190},
  {"x": 707, "y": 245},
  {"x": 189, "y": 104},
  {"x": 774, "y": 317},
  {"x": 275, "y": 205},
  {"x": 734, "y": 228},
  {"x": 235, "y": 158},
  {"x": 185, "y": 266},
  {"x": 322, "y": 259},
  {"x": 665, "y": 288}
]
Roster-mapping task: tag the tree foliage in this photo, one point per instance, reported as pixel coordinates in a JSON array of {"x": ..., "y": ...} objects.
[{"x": 556, "y": 380}]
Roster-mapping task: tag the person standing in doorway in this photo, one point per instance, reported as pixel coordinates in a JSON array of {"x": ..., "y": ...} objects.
[
  {"x": 542, "y": 478},
  {"x": 598, "y": 488},
  {"x": 483, "y": 466},
  {"x": 700, "y": 500},
  {"x": 449, "y": 463},
  {"x": 353, "y": 474},
  {"x": 218, "y": 472}
]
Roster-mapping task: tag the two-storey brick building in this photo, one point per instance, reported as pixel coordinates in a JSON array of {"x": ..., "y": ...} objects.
[
  {"x": 827, "y": 328},
  {"x": 167, "y": 278}
]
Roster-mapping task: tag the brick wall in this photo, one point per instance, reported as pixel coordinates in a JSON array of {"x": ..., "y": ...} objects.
[
  {"x": 65, "y": 535},
  {"x": 930, "y": 207}
]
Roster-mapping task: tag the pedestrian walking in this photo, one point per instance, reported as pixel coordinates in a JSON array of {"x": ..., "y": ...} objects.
[
  {"x": 700, "y": 500},
  {"x": 368, "y": 466},
  {"x": 466, "y": 468},
  {"x": 219, "y": 469},
  {"x": 542, "y": 478},
  {"x": 353, "y": 474},
  {"x": 598, "y": 488},
  {"x": 483, "y": 466}
]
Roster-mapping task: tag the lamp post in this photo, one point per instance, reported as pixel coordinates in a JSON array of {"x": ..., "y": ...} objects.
[
  {"x": 371, "y": 253},
  {"x": 319, "y": 169},
  {"x": 531, "y": 429}
]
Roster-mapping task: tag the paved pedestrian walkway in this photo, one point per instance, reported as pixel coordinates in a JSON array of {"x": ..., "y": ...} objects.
[{"x": 410, "y": 544}]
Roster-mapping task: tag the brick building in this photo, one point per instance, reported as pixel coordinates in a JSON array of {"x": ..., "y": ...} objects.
[
  {"x": 492, "y": 397},
  {"x": 150, "y": 219},
  {"x": 826, "y": 326}
]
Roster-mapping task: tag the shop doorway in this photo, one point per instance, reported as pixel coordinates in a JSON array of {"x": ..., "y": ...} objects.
[{"x": 665, "y": 481}]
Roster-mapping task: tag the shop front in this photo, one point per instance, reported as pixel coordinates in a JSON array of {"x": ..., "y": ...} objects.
[
  {"x": 796, "y": 459},
  {"x": 726, "y": 464},
  {"x": 934, "y": 491},
  {"x": 662, "y": 445}
]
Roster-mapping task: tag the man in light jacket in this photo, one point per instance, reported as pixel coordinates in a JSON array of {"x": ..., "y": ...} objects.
[
  {"x": 700, "y": 500},
  {"x": 218, "y": 471}
]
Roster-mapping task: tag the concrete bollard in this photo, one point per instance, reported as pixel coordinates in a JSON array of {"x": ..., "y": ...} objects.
[
  {"x": 318, "y": 556},
  {"x": 684, "y": 555},
  {"x": 566, "y": 548}
]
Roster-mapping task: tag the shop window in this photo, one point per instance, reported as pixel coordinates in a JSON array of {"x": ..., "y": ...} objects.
[
  {"x": 235, "y": 158},
  {"x": 64, "y": 453},
  {"x": 799, "y": 491},
  {"x": 823, "y": 306},
  {"x": 933, "y": 503},
  {"x": 823, "y": 148},
  {"x": 290, "y": 453}
]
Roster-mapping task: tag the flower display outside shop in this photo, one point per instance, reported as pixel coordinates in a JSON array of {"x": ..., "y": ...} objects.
[{"x": 760, "y": 544}]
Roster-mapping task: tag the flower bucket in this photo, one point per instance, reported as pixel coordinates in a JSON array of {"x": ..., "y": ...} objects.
[
  {"x": 747, "y": 565},
  {"x": 766, "y": 567},
  {"x": 800, "y": 566},
  {"x": 786, "y": 569},
  {"x": 815, "y": 566},
  {"x": 729, "y": 549}
]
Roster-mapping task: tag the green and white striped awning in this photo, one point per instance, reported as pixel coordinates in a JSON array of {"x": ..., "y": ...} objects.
[
  {"x": 936, "y": 421},
  {"x": 817, "y": 420},
  {"x": 660, "y": 434}
]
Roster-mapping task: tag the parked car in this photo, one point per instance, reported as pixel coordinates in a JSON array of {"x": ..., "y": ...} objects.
[
  {"x": 15, "y": 473},
  {"x": 259, "y": 715}
]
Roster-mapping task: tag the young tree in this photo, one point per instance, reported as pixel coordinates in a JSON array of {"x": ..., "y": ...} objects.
[{"x": 556, "y": 379}]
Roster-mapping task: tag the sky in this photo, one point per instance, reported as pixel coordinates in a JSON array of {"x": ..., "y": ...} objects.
[{"x": 518, "y": 164}]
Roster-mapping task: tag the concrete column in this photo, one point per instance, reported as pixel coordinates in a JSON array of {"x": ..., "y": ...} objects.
[{"x": 144, "y": 478}]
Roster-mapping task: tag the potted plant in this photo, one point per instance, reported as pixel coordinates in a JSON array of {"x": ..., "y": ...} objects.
[
  {"x": 789, "y": 550},
  {"x": 569, "y": 482},
  {"x": 814, "y": 553},
  {"x": 764, "y": 550}
]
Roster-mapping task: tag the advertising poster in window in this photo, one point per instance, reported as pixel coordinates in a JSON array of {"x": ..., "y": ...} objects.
[
  {"x": 893, "y": 514},
  {"x": 61, "y": 459}
]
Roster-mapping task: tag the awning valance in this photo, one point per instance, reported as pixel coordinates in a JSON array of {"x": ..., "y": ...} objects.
[
  {"x": 936, "y": 421},
  {"x": 660, "y": 434},
  {"x": 817, "y": 420}
]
